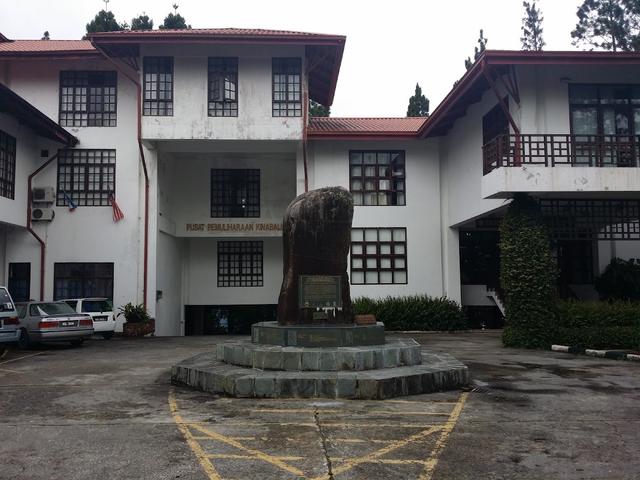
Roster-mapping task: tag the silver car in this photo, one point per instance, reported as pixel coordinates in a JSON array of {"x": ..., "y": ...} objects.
[
  {"x": 9, "y": 324},
  {"x": 52, "y": 322}
]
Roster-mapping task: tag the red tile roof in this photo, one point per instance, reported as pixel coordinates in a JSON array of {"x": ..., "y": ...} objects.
[
  {"x": 46, "y": 47},
  {"x": 215, "y": 32},
  {"x": 334, "y": 127}
]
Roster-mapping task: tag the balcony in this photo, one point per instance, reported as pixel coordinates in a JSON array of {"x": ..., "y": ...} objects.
[{"x": 566, "y": 163}]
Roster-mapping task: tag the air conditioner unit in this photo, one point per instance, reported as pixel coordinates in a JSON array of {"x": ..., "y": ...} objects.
[
  {"x": 43, "y": 195},
  {"x": 42, "y": 214}
]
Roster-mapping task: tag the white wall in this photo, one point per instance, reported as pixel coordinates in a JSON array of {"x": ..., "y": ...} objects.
[
  {"x": 329, "y": 166},
  {"x": 88, "y": 233},
  {"x": 201, "y": 275},
  {"x": 190, "y": 119},
  {"x": 169, "y": 308}
]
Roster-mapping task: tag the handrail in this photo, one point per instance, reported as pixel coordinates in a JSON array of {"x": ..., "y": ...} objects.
[{"x": 550, "y": 150}]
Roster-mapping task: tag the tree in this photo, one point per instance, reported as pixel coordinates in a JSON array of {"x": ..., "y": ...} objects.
[
  {"x": 482, "y": 46},
  {"x": 608, "y": 24},
  {"x": 142, "y": 22},
  {"x": 104, "y": 22},
  {"x": 528, "y": 276},
  {"x": 418, "y": 104},
  {"x": 174, "y": 20},
  {"x": 318, "y": 110},
  {"x": 532, "y": 27},
  {"x": 45, "y": 35}
]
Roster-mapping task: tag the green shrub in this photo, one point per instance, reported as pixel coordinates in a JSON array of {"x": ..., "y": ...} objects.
[
  {"x": 134, "y": 313},
  {"x": 620, "y": 280},
  {"x": 598, "y": 324},
  {"x": 415, "y": 312},
  {"x": 527, "y": 276}
]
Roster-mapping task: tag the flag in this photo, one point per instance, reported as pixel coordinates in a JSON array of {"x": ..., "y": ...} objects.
[
  {"x": 69, "y": 200},
  {"x": 117, "y": 213}
]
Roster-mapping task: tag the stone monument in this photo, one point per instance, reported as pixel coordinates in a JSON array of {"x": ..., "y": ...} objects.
[{"x": 315, "y": 349}]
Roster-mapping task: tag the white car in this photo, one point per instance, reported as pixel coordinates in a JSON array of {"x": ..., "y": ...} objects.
[
  {"x": 9, "y": 323},
  {"x": 100, "y": 310}
]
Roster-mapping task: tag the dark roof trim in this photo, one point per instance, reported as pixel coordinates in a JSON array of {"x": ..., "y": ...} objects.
[
  {"x": 3, "y": 38},
  {"x": 16, "y": 106}
]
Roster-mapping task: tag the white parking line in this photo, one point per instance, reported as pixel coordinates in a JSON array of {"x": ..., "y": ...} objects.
[{"x": 20, "y": 358}]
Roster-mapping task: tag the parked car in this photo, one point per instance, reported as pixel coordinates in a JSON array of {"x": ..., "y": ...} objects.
[
  {"x": 100, "y": 310},
  {"x": 9, "y": 323},
  {"x": 52, "y": 322}
]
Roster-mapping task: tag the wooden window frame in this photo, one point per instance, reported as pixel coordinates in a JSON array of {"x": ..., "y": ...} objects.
[
  {"x": 222, "y": 86},
  {"x": 155, "y": 86},
  {"x": 225, "y": 187},
  {"x": 233, "y": 270},
  {"x": 77, "y": 170},
  {"x": 88, "y": 98},
  {"x": 282, "y": 84},
  {"x": 7, "y": 165},
  {"x": 396, "y": 195},
  {"x": 361, "y": 255}
]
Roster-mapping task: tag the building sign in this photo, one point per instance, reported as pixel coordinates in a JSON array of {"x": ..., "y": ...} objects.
[
  {"x": 222, "y": 229},
  {"x": 319, "y": 291}
]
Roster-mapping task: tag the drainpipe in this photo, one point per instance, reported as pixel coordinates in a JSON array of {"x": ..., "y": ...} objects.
[
  {"x": 30, "y": 230},
  {"x": 305, "y": 120},
  {"x": 144, "y": 167}
]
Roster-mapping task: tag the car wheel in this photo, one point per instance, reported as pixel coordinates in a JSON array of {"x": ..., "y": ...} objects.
[
  {"x": 77, "y": 342},
  {"x": 107, "y": 335},
  {"x": 25, "y": 341}
]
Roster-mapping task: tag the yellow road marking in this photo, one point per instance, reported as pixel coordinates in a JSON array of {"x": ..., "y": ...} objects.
[
  {"x": 387, "y": 461},
  {"x": 432, "y": 461},
  {"x": 195, "y": 447},
  {"x": 421, "y": 402},
  {"x": 250, "y": 457},
  {"x": 20, "y": 358},
  {"x": 371, "y": 457},
  {"x": 325, "y": 411},
  {"x": 255, "y": 453}
]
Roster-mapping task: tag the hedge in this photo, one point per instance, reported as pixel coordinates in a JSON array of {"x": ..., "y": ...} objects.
[
  {"x": 416, "y": 312},
  {"x": 599, "y": 325}
]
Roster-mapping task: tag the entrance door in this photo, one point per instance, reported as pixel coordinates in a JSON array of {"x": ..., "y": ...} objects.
[
  {"x": 20, "y": 281},
  {"x": 575, "y": 264}
]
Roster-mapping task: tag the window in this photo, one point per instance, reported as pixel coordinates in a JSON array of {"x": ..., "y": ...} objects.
[
  {"x": 88, "y": 99},
  {"x": 158, "y": 86},
  {"x": 20, "y": 281},
  {"x": 81, "y": 280},
  {"x": 377, "y": 177},
  {"x": 287, "y": 87},
  {"x": 223, "y": 87},
  {"x": 7, "y": 165},
  {"x": 240, "y": 264},
  {"x": 235, "y": 193},
  {"x": 378, "y": 255},
  {"x": 86, "y": 177}
]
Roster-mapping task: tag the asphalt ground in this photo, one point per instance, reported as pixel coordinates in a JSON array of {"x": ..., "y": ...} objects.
[{"x": 107, "y": 411}]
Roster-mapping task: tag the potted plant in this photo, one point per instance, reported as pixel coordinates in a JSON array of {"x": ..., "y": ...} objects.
[{"x": 139, "y": 323}]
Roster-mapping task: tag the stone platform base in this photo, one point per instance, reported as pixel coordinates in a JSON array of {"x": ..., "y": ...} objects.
[
  {"x": 270, "y": 333},
  {"x": 208, "y": 373},
  {"x": 394, "y": 353}
]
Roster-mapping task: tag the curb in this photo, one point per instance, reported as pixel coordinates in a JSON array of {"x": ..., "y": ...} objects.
[{"x": 611, "y": 354}]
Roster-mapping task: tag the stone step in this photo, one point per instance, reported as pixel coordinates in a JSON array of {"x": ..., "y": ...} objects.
[
  {"x": 394, "y": 353},
  {"x": 206, "y": 373}
]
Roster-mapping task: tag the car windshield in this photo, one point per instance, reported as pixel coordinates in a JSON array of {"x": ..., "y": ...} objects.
[
  {"x": 52, "y": 308},
  {"x": 95, "y": 306}
]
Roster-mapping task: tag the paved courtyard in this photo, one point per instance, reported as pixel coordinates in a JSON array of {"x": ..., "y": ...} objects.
[{"x": 107, "y": 410}]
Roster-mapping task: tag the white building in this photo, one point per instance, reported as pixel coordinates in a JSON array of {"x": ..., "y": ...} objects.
[{"x": 202, "y": 139}]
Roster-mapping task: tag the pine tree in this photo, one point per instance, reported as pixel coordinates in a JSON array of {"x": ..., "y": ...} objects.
[
  {"x": 174, "y": 20},
  {"x": 104, "y": 22},
  {"x": 607, "y": 24},
  {"x": 482, "y": 46},
  {"x": 318, "y": 110},
  {"x": 45, "y": 35},
  {"x": 532, "y": 27},
  {"x": 142, "y": 22},
  {"x": 418, "y": 104}
]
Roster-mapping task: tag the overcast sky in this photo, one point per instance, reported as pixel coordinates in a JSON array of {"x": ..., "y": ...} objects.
[{"x": 390, "y": 46}]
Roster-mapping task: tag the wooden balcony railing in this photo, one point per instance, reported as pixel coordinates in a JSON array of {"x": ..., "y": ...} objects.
[{"x": 514, "y": 150}]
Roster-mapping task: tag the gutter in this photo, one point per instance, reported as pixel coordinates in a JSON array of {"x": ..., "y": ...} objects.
[{"x": 144, "y": 168}]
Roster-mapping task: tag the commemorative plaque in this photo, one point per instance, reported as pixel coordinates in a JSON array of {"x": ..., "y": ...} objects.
[{"x": 319, "y": 291}]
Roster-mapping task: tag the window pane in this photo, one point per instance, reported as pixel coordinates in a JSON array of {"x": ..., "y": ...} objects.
[
  {"x": 378, "y": 262},
  {"x": 371, "y": 235},
  {"x": 383, "y": 176},
  {"x": 357, "y": 277},
  {"x": 384, "y": 234}
]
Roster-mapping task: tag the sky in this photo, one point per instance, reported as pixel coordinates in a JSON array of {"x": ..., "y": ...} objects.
[{"x": 390, "y": 45}]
